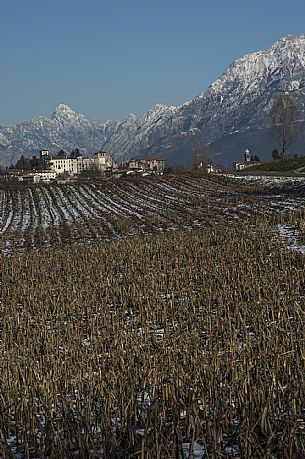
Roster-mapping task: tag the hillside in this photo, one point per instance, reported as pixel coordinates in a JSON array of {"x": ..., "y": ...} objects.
[{"x": 280, "y": 165}]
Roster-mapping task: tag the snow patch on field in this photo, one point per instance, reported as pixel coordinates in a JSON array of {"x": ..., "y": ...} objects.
[
  {"x": 290, "y": 235},
  {"x": 271, "y": 181}
]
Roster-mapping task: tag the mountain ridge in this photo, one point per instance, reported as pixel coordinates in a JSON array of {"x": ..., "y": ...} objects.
[{"x": 230, "y": 115}]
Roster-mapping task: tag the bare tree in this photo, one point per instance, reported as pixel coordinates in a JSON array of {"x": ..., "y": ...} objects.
[
  {"x": 202, "y": 156},
  {"x": 285, "y": 121}
]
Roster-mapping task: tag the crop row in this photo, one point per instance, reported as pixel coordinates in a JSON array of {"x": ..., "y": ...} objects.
[
  {"x": 155, "y": 347},
  {"x": 46, "y": 215}
]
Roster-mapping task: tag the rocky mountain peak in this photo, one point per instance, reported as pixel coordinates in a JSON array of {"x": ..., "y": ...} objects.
[
  {"x": 131, "y": 118},
  {"x": 290, "y": 41},
  {"x": 63, "y": 111},
  {"x": 230, "y": 115}
]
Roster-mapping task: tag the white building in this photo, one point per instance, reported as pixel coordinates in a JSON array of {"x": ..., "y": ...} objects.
[
  {"x": 155, "y": 164},
  {"x": 76, "y": 165},
  {"x": 240, "y": 166},
  {"x": 46, "y": 176},
  {"x": 62, "y": 164},
  {"x": 209, "y": 168},
  {"x": 37, "y": 176}
]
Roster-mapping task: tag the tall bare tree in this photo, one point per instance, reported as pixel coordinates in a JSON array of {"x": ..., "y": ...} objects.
[
  {"x": 202, "y": 155},
  {"x": 285, "y": 121}
]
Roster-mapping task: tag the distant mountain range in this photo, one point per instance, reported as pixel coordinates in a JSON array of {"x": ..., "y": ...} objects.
[{"x": 230, "y": 115}]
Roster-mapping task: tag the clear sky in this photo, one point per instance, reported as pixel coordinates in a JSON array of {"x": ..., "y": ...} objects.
[{"x": 108, "y": 58}]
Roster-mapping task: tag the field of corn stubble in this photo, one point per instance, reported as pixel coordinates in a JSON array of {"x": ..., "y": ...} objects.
[{"x": 152, "y": 319}]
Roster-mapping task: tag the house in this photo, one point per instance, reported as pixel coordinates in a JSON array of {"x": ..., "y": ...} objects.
[
  {"x": 239, "y": 166},
  {"x": 29, "y": 178},
  {"x": 242, "y": 166},
  {"x": 146, "y": 165},
  {"x": 136, "y": 164},
  {"x": 155, "y": 164},
  {"x": 46, "y": 176},
  {"x": 103, "y": 162},
  {"x": 209, "y": 168},
  {"x": 37, "y": 176}
]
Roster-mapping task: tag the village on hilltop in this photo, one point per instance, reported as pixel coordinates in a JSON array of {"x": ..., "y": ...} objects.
[{"x": 63, "y": 166}]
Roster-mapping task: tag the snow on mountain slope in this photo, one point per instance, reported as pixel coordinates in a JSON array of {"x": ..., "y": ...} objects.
[
  {"x": 227, "y": 115},
  {"x": 242, "y": 96}
]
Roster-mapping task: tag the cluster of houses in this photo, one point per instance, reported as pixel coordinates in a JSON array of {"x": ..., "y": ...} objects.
[
  {"x": 70, "y": 166},
  {"x": 209, "y": 168},
  {"x": 63, "y": 166}
]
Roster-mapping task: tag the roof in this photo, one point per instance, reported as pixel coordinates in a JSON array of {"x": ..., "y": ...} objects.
[
  {"x": 101, "y": 152},
  {"x": 61, "y": 157},
  {"x": 155, "y": 159}
]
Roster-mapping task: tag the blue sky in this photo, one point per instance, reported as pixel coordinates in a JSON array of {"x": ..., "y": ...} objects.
[{"x": 108, "y": 58}]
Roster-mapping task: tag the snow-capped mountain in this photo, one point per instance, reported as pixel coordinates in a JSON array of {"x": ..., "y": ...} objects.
[
  {"x": 64, "y": 130},
  {"x": 231, "y": 114}
]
